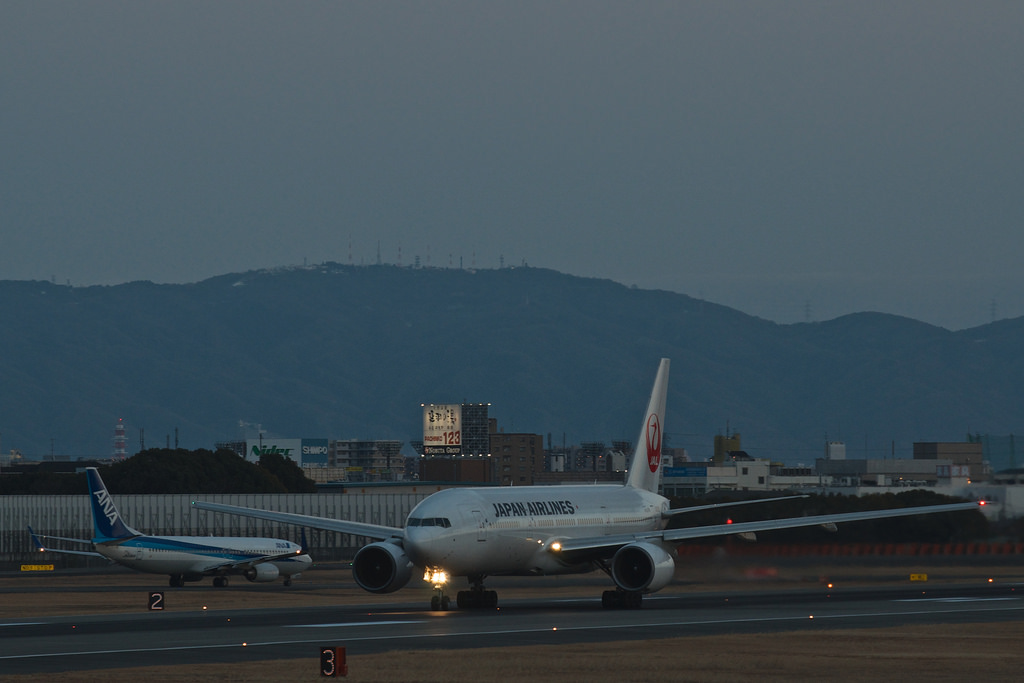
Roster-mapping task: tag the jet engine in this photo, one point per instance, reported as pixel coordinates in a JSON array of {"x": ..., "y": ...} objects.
[
  {"x": 381, "y": 567},
  {"x": 262, "y": 573},
  {"x": 642, "y": 567}
]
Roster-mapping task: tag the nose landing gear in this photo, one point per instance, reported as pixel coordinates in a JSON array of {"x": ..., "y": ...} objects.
[{"x": 439, "y": 602}]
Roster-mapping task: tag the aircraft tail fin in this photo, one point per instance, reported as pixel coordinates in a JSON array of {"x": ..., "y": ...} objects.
[
  {"x": 106, "y": 521},
  {"x": 646, "y": 464}
]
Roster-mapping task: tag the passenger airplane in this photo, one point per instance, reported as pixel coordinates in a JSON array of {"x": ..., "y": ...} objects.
[
  {"x": 543, "y": 530},
  {"x": 184, "y": 558}
]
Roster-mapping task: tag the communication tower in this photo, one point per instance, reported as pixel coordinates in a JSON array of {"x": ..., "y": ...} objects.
[{"x": 120, "y": 441}]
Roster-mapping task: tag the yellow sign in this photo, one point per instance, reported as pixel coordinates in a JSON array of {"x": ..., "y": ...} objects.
[
  {"x": 37, "y": 567},
  {"x": 918, "y": 577}
]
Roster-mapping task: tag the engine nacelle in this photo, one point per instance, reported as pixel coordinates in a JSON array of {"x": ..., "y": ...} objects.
[
  {"x": 381, "y": 567},
  {"x": 262, "y": 573},
  {"x": 642, "y": 567}
]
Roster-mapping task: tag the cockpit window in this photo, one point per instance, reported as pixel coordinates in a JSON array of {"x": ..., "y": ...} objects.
[{"x": 429, "y": 521}]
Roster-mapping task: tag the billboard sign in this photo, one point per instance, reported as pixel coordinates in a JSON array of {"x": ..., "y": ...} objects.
[
  {"x": 289, "y": 448},
  {"x": 442, "y": 429},
  {"x": 701, "y": 472},
  {"x": 314, "y": 452}
]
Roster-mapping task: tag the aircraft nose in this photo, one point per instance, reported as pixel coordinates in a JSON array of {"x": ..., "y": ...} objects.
[
  {"x": 420, "y": 545},
  {"x": 413, "y": 545}
]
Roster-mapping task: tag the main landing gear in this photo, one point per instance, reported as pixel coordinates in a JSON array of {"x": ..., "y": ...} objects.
[
  {"x": 477, "y": 597},
  {"x": 620, "y": 599}
]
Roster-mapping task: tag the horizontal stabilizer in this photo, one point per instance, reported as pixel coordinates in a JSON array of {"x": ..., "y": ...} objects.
[{"x": 37, "y": 542}]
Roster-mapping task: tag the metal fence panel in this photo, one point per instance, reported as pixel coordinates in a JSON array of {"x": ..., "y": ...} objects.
[{"x": 173, "y": 515}]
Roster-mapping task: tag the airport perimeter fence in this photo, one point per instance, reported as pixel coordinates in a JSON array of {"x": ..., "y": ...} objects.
[{"x": 173, "y": 515}]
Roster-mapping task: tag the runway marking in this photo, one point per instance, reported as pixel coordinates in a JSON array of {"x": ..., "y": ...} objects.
[
  {"x": 547, "y": 629},
  {"x": 354, "y": 623}
]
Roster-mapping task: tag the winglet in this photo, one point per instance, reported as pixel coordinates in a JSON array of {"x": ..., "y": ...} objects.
[
  {"x": 107, "y": 523},
  {"x": 35, "y": 540},
  {"x": 646, "y": 464}
]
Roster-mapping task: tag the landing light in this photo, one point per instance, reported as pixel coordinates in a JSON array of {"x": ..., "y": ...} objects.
[
  {"x": 556, "y": 546},
  {"x": 438, "y": 577}
]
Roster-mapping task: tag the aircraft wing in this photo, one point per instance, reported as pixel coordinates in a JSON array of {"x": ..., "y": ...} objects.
[
  {"x": 712, "y": 506},
  {"x": 42, "y": 548},
  {"x": 606, "y": 543},
  {"x": 342, "y": 526},
  {"x": 251, "y": 562}
]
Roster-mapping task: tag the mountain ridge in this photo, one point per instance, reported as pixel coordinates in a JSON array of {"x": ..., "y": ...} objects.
[{"x": 341, "y": 351}]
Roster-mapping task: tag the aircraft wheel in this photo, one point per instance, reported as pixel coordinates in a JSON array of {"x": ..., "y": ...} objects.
[
  {"x": 288, "y": 581},
  {"x": 619, "y": 599},
  {"x": 445, "y": 603},
  {"x": 435, "y": 603},
  {"x": 477, "y": 599}
]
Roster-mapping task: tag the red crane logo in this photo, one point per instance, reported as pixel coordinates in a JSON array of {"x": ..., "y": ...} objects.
[{"x": 653, "y": 442}]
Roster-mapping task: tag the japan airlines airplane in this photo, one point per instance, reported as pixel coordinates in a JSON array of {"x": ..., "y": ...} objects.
[
  {"x": 543, "y": 530},
  {"x": 184, "y": 558}
]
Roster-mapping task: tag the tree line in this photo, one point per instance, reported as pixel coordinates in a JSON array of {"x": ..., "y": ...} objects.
[{"x": 163, "y": 470}]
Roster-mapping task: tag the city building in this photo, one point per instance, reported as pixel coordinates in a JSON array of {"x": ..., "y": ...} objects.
[{"x": 517, "y": 459}]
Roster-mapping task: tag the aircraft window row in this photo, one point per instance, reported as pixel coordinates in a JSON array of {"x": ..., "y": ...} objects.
[{"x": 429, "y": 521}]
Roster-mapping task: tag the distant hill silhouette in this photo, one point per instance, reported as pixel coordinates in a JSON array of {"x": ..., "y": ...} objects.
[{"x": 337, "y": 351}]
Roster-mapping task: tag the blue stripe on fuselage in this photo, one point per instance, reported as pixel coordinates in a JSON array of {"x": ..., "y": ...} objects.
[{"x": 168, "y": 544}]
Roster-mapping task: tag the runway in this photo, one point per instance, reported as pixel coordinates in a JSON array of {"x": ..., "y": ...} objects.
[{"x": 56, "y": 644}]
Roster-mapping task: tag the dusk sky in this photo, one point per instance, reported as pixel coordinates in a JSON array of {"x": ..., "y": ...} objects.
[{"x": 794, "y": 160}]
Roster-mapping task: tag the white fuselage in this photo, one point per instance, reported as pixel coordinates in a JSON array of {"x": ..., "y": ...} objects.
[
  {"x": 196, "y": 554},
  {"x": 508, "y": 530}
]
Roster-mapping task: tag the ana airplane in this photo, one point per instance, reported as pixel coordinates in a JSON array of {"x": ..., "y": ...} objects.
[
  {"x": 544, "y": 530},
  {"x": 184, "y": 558}
]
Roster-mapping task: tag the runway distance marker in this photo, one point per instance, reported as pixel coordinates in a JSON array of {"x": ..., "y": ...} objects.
[
  {"x": 332, "y": 662},
  {"x": 156, "y": 601}
]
